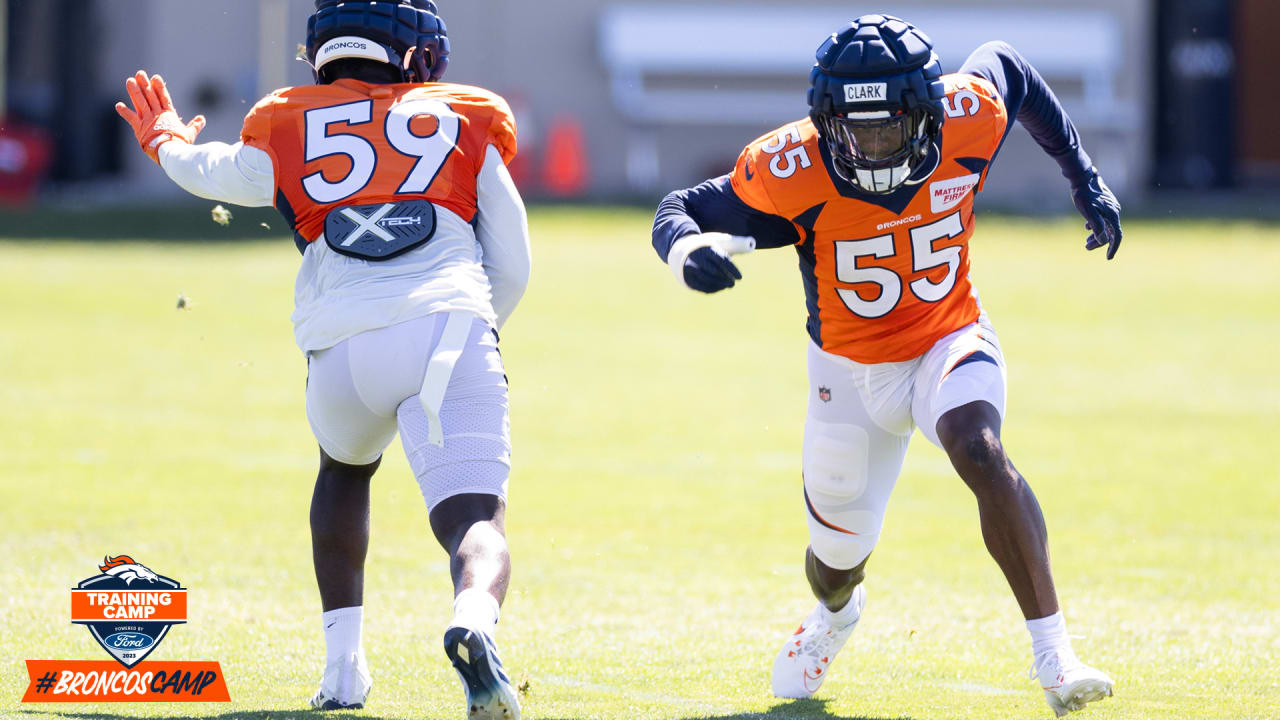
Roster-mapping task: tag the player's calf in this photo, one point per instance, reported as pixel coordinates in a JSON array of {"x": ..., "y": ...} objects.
[
  {"x": 340, "y": 530},
  {"x": 833, "y": 587},
  {"x": 471, "y": 528},
  {"x": 1013, "y": 526}
]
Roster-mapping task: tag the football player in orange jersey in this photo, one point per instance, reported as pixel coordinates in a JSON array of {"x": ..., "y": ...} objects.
[
  {"x": 415, "y": 249},
  {"x": 874, "y": 190}
]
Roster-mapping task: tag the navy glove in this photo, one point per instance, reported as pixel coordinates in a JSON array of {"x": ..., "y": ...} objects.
[
  {"x": 1101, "y": 211},
  {"x": 708, "y": 271},
  {"x": 701, "y": 262}
]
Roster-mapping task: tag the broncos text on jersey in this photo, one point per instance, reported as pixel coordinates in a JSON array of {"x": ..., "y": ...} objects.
[{"x": 885, "y": 276}]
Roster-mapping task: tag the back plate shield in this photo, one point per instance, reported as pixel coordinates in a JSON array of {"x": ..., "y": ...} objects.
[{"x": 380, "y": 231}]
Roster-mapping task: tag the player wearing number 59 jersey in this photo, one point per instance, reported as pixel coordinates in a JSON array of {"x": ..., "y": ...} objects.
[
  {"x": 360, "y": 145},
  {"x": 429, "y": 140},
  {"x": 415, "y": 249},
  {"x": 875, "y": 190}
]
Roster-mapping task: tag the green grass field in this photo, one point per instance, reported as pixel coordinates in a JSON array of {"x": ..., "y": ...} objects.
[{"x": 656, "y": 521}]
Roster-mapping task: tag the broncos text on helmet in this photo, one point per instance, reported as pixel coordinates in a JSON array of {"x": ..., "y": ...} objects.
[
  {"x": 876, "y": 99},
  {"x": 408, "y": 34}
]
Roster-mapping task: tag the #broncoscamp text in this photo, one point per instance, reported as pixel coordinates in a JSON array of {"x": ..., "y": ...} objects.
[{"x": 132, "y": 682}]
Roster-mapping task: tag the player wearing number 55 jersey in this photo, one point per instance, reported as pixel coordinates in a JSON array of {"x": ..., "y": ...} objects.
[
  {"x": 874, "y": 190},
  {"x": 415, "y": 249}
]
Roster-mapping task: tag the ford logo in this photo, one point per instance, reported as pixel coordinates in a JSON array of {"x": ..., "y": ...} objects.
[{"x": 128, "y": 641}]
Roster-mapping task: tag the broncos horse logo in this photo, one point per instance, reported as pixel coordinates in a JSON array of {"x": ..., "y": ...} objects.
[{"x": 127, "y": 569}]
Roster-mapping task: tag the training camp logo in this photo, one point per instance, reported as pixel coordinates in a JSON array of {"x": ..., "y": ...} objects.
[{"x": 128, "y": 608}]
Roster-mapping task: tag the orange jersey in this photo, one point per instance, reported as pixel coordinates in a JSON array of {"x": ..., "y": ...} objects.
[
  {"x": 887, "y": 276},
  {"x": 354, "y": 143}
]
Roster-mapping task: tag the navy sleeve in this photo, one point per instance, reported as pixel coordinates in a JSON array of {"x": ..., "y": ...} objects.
[
  {"x": 713, "y": 206},
  {"x": 1028, "y": 99}
]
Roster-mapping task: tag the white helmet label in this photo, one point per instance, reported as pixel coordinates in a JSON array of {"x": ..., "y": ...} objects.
[
  {"x": 350, "y": 46},
  {"x": 865, "y": 92}
]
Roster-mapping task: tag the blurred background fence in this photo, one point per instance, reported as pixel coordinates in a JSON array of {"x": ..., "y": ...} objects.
[{"x": 626, "y": 100}]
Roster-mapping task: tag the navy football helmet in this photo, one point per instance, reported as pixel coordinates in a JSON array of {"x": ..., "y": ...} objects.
[
  {"x": 875, "y": 97},
  {"x": 406, "y": 33}
]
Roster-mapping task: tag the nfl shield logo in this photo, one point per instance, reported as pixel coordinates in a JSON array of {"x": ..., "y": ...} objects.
[
  {"x": 128, "y": 608},
  {"x": 824, "y": 394}
]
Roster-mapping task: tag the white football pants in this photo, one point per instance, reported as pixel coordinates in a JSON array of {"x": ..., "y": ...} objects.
[
  {"x": 438, "y": 379},
  {"x": 859, "y": 423}
]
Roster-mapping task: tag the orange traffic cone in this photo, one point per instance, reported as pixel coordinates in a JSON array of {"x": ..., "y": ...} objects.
[{"x": 565, "y": 171}]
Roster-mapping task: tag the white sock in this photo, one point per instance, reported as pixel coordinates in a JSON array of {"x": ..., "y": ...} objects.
[
  {"x": 845, "y": 615},
  {"x": 476, "y": 609},
  {"x": 1048, "y": 633},
  {"x": 342, "y": 629}
]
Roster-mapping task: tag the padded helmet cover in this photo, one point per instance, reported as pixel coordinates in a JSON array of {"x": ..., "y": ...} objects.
[
  {"x": 877, "y": 48},
  {"x": 410, "y": 30}
]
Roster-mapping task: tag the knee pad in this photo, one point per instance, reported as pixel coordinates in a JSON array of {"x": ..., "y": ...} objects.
[
  {"x": 835, "y": 541},
  {"x": 844, "y": 523}
]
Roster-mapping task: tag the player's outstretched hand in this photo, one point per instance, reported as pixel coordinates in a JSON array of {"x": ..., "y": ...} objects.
[
  {"x": 701, "y": 262},
  {"x": 1101, "y": 211},
  {"x": 709, "y": 270},
  {"x": 153, "y": 118}
]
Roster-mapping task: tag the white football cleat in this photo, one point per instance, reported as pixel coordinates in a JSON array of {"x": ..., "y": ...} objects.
[
  {"x": 1069, "y": 684},
  {"x": 475, "y": 657},
  {"x": 806, "y": 657},
  {"x": 345, "y": 685}
]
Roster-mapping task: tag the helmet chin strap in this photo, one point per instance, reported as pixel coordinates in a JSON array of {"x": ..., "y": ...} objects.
[
  {"x": 932, "y": 158},
  {"x": 407, "y": 68}
]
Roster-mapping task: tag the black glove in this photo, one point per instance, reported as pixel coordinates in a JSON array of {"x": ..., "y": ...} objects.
[
  {"x": 1101, "y": 211},
  {"x": 709, "y": 270}
]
